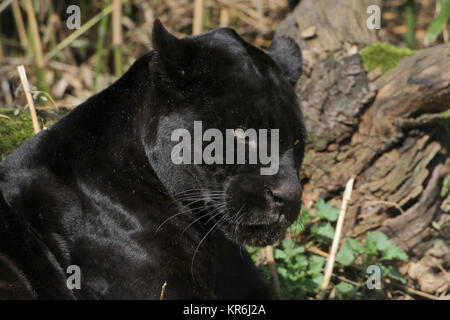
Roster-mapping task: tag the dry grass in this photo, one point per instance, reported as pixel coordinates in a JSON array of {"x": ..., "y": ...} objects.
[{"x": 71, "y": 65}]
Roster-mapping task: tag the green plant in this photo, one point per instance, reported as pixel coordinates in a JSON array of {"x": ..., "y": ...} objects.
[
  {"x": 300, "y": 269},
  {"x": 300, "y": 273},
  {"x": 384, "y": 56},
  {"x": 14, "y": 129},
  {"x": 376, "y": 250},
  {"x": 100, "y": 56},
  {"x": 16, "y": 126},
  {"x": 440, "y": 22},
  {"x": 410, "y": 22}
]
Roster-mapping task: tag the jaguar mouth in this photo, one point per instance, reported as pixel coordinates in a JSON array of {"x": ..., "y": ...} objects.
[
  {"x": 253, "y": 234},
  {"x": 259, "y": 226}
]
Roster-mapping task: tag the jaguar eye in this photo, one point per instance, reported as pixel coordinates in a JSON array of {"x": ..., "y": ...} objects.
[{"x": 296, "y": 142}]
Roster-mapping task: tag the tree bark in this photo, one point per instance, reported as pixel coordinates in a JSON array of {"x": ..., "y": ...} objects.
[{"x": 390, "y": 132}]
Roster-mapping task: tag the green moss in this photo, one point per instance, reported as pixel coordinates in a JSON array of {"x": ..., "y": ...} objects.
[
  {"x": 14, "y": 129},
  {"x": 310, "y": 138},
  {"x": 445, "y": 122},
  {"x": 384, "y": 56},
  {"x": 445, "y": 194},
  {"x": 446, "y": 187},
  {"x": 306, "y": 157}
]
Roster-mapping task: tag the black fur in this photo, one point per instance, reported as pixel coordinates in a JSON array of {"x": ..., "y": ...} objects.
[{"x": 98, "y": 189}]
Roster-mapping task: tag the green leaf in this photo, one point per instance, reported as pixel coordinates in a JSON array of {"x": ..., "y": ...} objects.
[
  {"x": 316, "y": 264},
  {"x": 354, "y": 245},
  {"x": 301, "y": 260},
  {"x": 326, "y": 210},
  {"x": 345, "y": 256},
  {"x": 315, "y": 258},
  {"x": 282, "y": 272},
  {"x": 391, "y": 273},
  {"x": 377, "y": 240},
  {"x": 297, "y": 227},
  {"x": 293, "y": 276},
  {"x": 438, "y": 24},
  {"x": 325, "y": 230},
  {"x": 394, "y": 252},
  {"x": 305, "y": 217},
  {"x": 297, "y": 250},
  {"x": 280, "y": 254},
  {"x": 370, "y": 248},
  {"x": 318, "y": 280},
  {"x": 309, "y": 287},
  {"x": 288, "y": 243},
  {"x": 345, "y": 288}
]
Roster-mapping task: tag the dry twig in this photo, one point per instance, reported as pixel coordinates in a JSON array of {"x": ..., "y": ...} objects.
[
  {"x": 337, "y": 236},
  {"x": 35, "y": 34},
  {"x": 197, "y": 26},
  {"x": 20, "y": 25},
  {"x": 163, "y": 291},
  {"x": 26, "y": 89}
]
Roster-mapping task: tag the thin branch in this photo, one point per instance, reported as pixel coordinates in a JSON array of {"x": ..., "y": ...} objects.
[
  {"x": 337, "y": 237},
  {"x": 416, "y": 292},
  {"x": 35, "y": 34},
  {"x": 225, "y": 16},
  {"x": 4, "y": 5},
  {"x": 260, "y": 12},
  {"x": 26, "y": 89},
  {"x": 117, "y": 36},
  {"x": 318, "y": 252},
  {"x": 197, "y": 25},
  {"x": 85, "y": 27},
  {"x": 163, "y": 291}
]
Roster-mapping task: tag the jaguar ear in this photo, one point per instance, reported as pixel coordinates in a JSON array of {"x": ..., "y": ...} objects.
[
  {"x": 171, "y": 50},
  {"x": 288, "y": 56}
]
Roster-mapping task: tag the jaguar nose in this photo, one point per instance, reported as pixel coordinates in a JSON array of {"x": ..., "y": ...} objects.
[{"x": 284, "y": 194}]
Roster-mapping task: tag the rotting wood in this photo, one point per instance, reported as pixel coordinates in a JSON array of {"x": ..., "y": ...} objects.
[{"x": 392, "y": 132}]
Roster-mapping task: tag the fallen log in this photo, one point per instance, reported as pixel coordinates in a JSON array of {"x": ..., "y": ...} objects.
[{"x": 393, "y": 132}]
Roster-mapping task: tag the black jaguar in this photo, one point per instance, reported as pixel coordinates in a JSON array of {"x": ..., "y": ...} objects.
[{"x": 98, "y": 190}]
